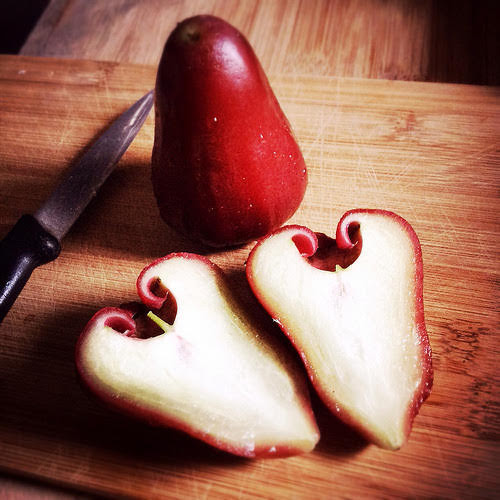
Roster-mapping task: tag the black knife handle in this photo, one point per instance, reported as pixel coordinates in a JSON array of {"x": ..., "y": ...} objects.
[{"x": 27, "y": 246}]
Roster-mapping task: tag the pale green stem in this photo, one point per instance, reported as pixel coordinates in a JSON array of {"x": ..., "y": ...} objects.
[{"x": 162, "y": 324}]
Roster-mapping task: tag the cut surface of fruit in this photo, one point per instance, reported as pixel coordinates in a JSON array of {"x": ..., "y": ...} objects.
[
  {"x": 360, "y": 330},
  {"x": 211, "y": 374}
]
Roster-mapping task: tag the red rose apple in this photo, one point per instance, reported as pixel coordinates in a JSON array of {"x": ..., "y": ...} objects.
[
  {"x": 353, "y": 309},
  {"x": 210, "y": 373},
  {"x": 226, "y": 168}
]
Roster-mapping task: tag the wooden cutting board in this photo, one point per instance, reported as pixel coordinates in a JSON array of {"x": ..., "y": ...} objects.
[{"x": 429, "y": 152}]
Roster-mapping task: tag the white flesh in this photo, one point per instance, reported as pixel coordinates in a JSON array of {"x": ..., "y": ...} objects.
[
  {"x": 210, "y": 370},
  {"x": 356, "y": 326}
]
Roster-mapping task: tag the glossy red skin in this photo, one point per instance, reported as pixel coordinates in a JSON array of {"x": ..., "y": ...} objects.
[
  {"x": 226, "y": 166},
  {"x": 122, "y": 321},
  {"x": 307, "y": 246}
]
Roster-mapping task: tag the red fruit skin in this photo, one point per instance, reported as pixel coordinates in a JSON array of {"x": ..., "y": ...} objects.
[
  {"x": 226, "y": 168},
  {"x": 307, "y": 244},
  {"x": 121, "y": 320}
]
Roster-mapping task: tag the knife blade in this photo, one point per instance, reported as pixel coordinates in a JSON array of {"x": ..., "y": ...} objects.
[{"x": 36, "y": 239}]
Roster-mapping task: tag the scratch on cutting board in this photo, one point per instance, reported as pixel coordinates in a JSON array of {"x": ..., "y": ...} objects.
[
  {"x": 200, "y": 489},
  {"x": 108, "y": 94},
  {"x": 68, "y": 119},
  {"x": 325, "y": 122},
  {"x": 254, "y": 470},
  {"x": 64, "y": 134},
  {"x": 400, "y": 176},
  {"x": 443, "y": 470},
  {"x": 84, "y": 459},
  {"x": 365, "y": 171},
  {"x": 451, "y": 232},
  {"x": 322, "y": 125},
  {"x": 477, "y": 155}
]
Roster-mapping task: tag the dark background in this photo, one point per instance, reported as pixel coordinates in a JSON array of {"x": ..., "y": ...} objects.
[{"x": 17, "y": 19}]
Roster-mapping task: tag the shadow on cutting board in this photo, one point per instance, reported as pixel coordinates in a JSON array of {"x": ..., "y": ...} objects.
[
  {"x": 43, "y": 402},
  {"x": 42, "y": 397}
]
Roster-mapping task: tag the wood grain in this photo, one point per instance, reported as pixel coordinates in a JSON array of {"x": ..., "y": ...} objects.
[
  {"x": 430, "y": 152},
  {"x": 433, "y": 40}
]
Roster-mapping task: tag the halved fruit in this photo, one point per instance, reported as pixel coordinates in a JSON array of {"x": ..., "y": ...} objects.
[
  {"x": 353, "y": 308},
  {"x": 210, "y": 372}
]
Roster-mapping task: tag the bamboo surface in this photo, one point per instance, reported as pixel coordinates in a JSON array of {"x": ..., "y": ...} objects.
[
  {"x": 428, "y": 151},
  {"x": 426, "y": 40}
]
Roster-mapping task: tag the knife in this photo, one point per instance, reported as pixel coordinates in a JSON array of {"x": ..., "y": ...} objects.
[{"x": 36, "y": 239}]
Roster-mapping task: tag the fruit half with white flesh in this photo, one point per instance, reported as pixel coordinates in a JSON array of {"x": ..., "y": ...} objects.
[
  {"x": 353, "y": 308},
  {"x": 210, "y": 373}
]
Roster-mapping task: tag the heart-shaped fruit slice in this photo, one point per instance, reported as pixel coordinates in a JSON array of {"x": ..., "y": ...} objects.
[
  {"x": 353, "y": 308},
  {"x": 210, "y": 373}
]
